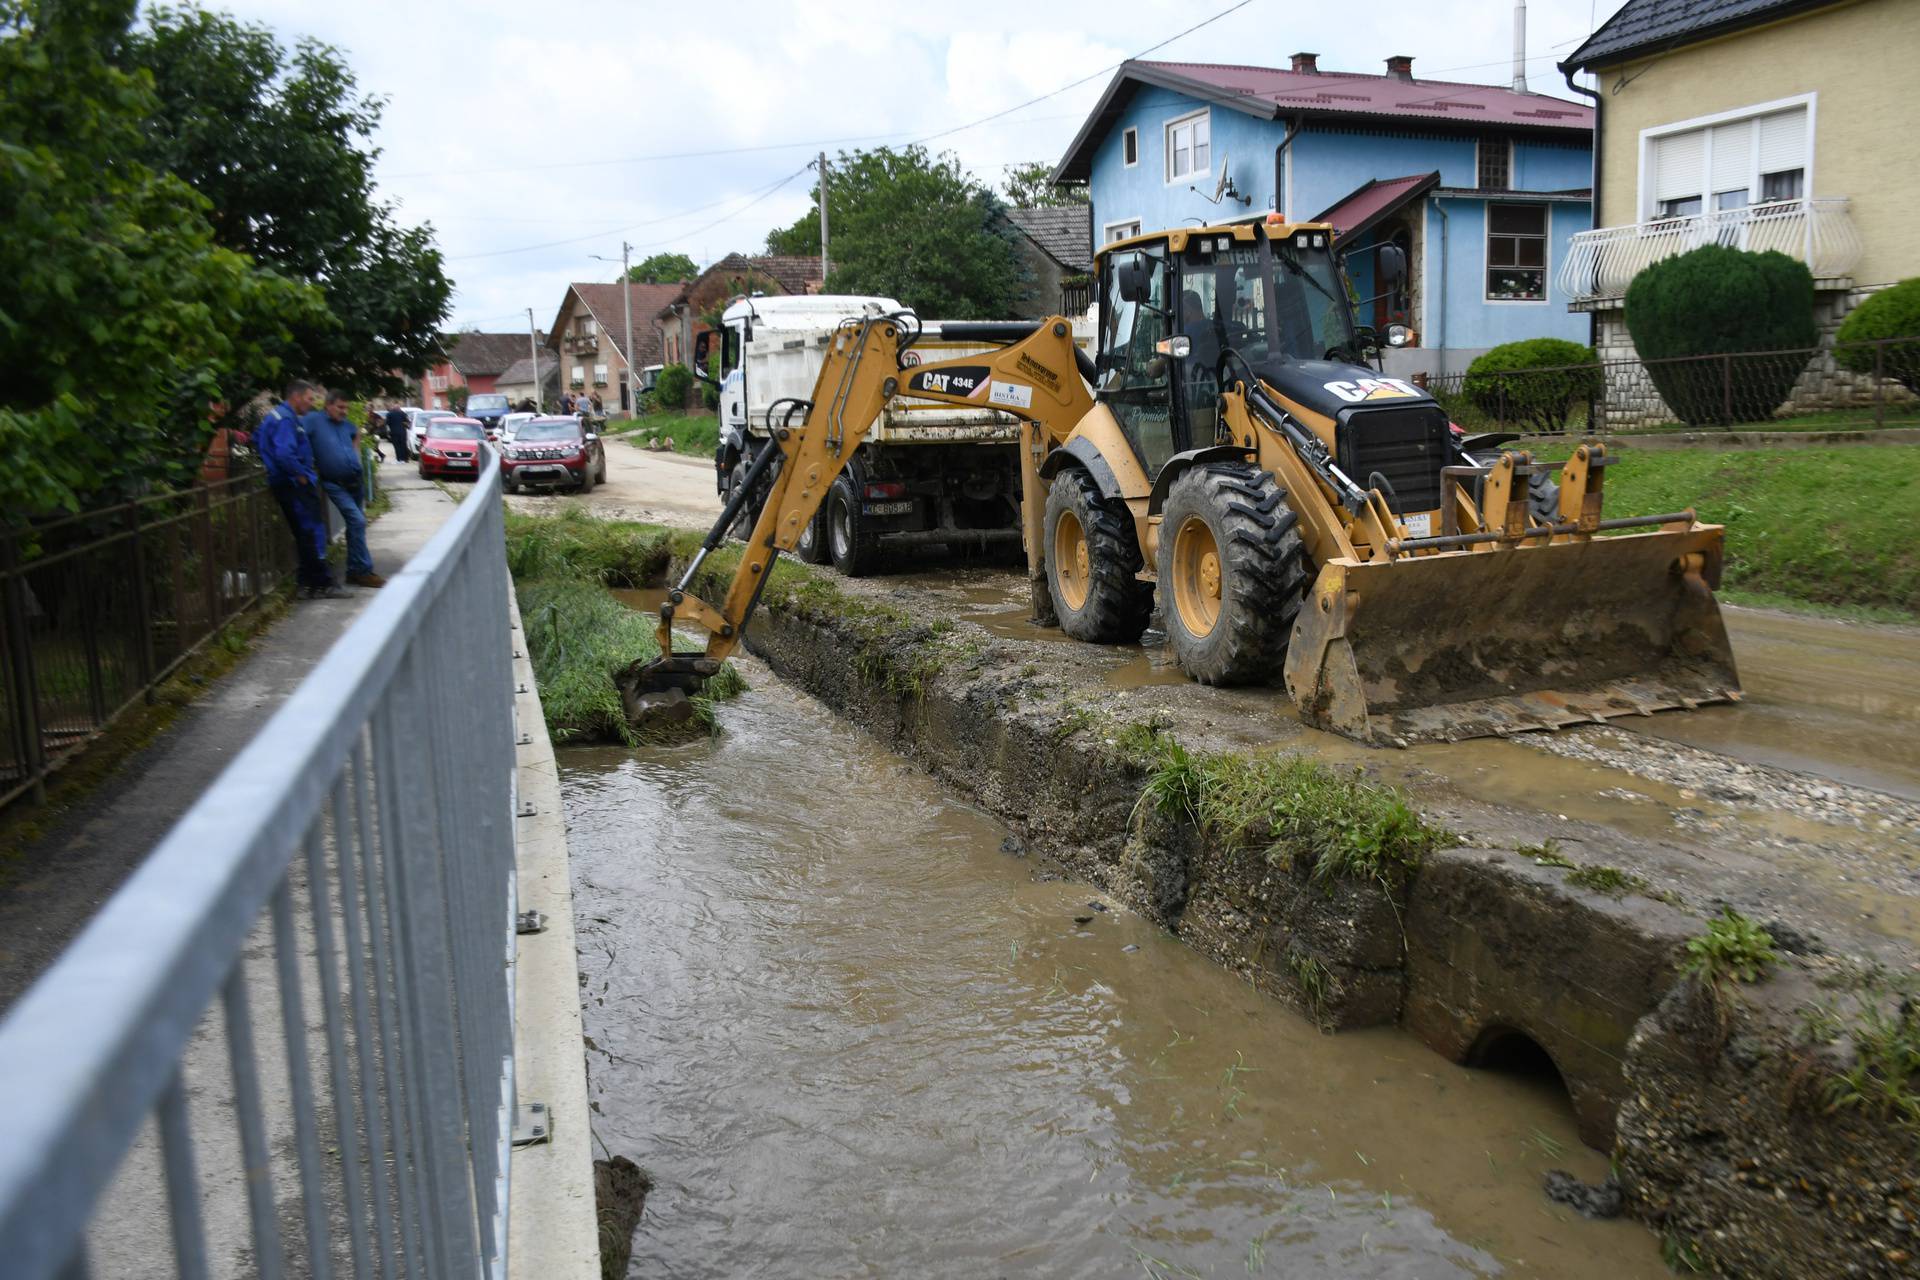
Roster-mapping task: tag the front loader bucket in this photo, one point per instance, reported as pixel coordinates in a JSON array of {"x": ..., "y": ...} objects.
[{"x": 1469, "y": 644}]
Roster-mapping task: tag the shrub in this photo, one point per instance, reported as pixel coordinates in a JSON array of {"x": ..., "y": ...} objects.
[
  {"x": 1715, "y": 301},
  {"x": 1890, "y": 313},
  {"x": 1541, "y": 399},
  {"x": 671, "y": 386}
]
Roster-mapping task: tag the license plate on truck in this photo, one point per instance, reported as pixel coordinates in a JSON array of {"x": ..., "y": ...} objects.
[{"x": 888, "y": 508}]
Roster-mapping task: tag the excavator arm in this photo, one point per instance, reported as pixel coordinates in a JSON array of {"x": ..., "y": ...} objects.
[{"x": 1036, "y": 378}]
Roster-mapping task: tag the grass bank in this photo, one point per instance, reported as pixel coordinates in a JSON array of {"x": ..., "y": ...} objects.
[
  {"x": 697, "y": 434},
  {"x": 577, "y": 634},
  {"x": 1822, "y": 527}
]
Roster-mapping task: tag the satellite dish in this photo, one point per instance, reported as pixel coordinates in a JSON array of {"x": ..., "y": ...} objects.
[{"x": 1220, "y": 187}]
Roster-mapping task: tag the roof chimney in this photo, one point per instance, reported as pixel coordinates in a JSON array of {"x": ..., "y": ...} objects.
[
  {"x": 1307, "y": 62},
  {"x": 1400, "y": 67}
]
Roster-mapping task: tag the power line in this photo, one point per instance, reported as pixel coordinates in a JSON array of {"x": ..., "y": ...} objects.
[
  {"x": 817, "y": 143},
  {"x": 757, "y": 196}
]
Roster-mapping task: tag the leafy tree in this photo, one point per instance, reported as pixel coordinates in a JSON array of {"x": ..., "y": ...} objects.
[
  {"x": 915, "y": 227},
  {"x": 663, "y": 268},
  {"x": 282, "y": 145},
  {"x": 1027, "y": 187},
  {"x": 1713, "y": 301},
  {"x": 121, "y": 315}
]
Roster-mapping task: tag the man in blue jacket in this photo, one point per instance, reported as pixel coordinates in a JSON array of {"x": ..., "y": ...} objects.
[
  {"x": 336, "y": 455},
  {"x": 287, "y": 455}
]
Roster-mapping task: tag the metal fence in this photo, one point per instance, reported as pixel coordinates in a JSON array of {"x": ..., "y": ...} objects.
[
  {"x": 348, "y": 877},
  {"x": 97, "y": 609},
  {"x": 1842, "y": 387}
]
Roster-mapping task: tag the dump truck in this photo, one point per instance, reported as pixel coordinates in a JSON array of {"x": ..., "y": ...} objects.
[
  {"x": 1233, "y": 454},
  {"x": 926, "y": 473}
]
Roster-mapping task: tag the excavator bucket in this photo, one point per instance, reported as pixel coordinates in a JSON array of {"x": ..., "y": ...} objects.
[{"x": 1505, "y": 639}]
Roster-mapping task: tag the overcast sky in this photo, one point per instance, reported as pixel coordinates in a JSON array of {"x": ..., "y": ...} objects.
[{"x": 537, "y": 133}]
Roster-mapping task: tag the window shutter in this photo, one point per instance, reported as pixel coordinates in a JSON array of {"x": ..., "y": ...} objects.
[
  {"x": 1732, "y": 156},
  {"x": 1783, "y": 141},
  {"x": 1679, "y": 162}
]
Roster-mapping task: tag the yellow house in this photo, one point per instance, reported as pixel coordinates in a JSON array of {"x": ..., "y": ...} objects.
[{"x": 1760, "y": 124}]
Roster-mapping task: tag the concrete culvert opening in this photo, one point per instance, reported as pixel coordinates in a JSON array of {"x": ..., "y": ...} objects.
[{"x": 1517, "y": 1055}]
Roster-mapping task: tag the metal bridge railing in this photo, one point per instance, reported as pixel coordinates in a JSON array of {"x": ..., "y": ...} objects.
[{"x": 349, "y": 878}]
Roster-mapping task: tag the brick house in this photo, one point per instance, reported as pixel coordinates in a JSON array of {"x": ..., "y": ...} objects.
[
  {"x": 736, "y": 274},
  {"x": 471, "y": 360},
  {"x": 588, "y": 337}
]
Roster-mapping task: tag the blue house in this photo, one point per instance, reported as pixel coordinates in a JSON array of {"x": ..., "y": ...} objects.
[{"x": 1482, "y": 186}]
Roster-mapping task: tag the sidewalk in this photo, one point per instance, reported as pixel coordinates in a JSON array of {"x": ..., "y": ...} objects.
[{"x": 85, "y": 854}]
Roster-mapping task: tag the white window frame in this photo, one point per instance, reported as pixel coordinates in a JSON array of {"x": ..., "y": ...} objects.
[
  {"x": 1106, "y": 232},
  {"x": 1648, "y": 212},
  {"x": 1131, "y": 134},
  {"x": 1546, "y": 254},
  {"x": 599, "y": 375},
  {"x": 1166, "y": 142}
]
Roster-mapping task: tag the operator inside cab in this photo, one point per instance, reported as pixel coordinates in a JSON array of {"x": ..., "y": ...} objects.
[{"x": 1200, "y": 376}]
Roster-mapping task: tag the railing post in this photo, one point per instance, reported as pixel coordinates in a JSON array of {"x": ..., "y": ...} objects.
[
  {"x": 209, "y": 580},
  {"x": 1500, "y": 409},
  {"x": 1726, "y": 388},
  {"x": 26, "y": 700}
]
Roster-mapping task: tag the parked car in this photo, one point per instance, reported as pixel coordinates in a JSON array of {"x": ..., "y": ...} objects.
[
  {"x": 451, "y": 447},
  {"x": 512, "y": 423},
  {"x": 487, "y": 410},
  {"x": 551, "y": 451},
  {"x": 417, "y": 427}
]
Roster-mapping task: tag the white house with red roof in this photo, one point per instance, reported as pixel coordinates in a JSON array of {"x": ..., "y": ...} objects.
[{"x": 1484, "y": 186}]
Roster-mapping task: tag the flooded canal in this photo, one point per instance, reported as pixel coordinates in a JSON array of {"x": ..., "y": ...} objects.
[{"x": 849, "y": 1034}]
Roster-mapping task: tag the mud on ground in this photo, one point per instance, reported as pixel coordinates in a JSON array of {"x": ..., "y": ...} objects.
[{"x": 1587, "y": 864}]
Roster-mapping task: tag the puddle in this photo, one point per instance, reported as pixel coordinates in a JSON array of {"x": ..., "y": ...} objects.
[
  {"x": 1838, "y": 700},
  {"x": 848, "y": 1035}
]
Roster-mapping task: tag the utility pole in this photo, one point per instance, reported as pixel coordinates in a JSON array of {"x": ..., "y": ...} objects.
[
  {"x": 533, "y": 349},
  {"x": 626, "y": 289},
  {"x": 823, "y": 220}
]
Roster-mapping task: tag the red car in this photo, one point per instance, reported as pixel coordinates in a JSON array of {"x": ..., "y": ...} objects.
[
  {"x": 553, "y": 451},
  {"x": 451, "y": 447}
]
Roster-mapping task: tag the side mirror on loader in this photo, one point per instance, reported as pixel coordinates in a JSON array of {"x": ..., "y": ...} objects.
[
  {"x": 1391, "y": 266},
  {"x": 702, "y": 345},
  {"x": 1132, "y": 280}
]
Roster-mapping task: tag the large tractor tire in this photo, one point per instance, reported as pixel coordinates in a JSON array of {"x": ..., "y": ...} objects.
[
  {"x": 812, "y": 545},
  {"x": 1233, "y": 573},
  {"x": 1092, "y": 563},
  {"x": 1543, "y": 490},
  {"x": 854, "y": 548}
]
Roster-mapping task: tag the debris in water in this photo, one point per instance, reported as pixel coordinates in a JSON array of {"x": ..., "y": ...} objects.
[
  {"x": 1098, "y": 906},
  {"x": 1131, "y": 946},
  {"x": 1013, "y": 846},
  {"x": 620, "y": 1196},
  {"x": 1083, "y": 919},
  {"x": 1593, "y": 1200}
]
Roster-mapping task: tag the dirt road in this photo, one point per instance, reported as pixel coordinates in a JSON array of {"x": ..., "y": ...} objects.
[{"x": 660, "y": 488}]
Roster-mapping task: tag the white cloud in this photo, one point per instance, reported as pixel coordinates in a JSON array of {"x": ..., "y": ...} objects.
[{"x": 502, "y": 116}]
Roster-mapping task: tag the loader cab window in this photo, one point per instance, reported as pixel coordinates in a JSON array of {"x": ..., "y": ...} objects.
[
  {"x": 1136, "y": 314},
  {"x": 1223, "y": 304}
]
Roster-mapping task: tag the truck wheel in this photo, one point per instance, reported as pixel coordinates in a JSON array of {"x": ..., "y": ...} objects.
[
  {"x": 1233, "y": 573},
  {"x": 1092, "y": 557},
  {"x": 812, "y": 546},
  {"x": 854, "y": 548},
  {"x": 586, "y": 480},
  {"x": 1543, "y": 491}
]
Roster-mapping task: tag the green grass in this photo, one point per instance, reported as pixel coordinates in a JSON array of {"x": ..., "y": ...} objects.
[
  {"x": 1287, "y": 806},
  {"x": 1861, "y": 419},
  {"x": 578, "y": 635},
  {"x": 575, "y": 545},
  {"x": 693, "y": 433},
  {"x": 1884, "y": 1079},
  {"x": 1733, "y": 948},
  {"x": 1609, "y": 880},
  {"x": 1829, "y": 527}
]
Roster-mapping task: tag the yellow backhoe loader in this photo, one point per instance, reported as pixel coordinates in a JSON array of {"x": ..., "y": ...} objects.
[{"x": 1300, "y": 517}]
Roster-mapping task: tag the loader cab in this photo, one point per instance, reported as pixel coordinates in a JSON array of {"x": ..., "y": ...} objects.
[{"x": 1172, "y": 306}]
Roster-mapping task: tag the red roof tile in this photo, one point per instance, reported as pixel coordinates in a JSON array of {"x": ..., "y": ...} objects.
[{"x": 1374, "y": 201}]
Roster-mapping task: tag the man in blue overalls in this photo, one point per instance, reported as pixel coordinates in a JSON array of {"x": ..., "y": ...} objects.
[{"x": 287, "y": 455}]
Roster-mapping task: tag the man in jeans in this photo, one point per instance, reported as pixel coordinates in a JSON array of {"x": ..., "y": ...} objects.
[
  {"x": 287, "y": 455},
  {"x": 336, "y": 455},
  {"x": 397, "y": 432}
]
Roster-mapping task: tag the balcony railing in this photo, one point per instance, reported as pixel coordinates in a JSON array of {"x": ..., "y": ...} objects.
[
  {"x": 1819, "y": 232},
  {"x": 580, "y": 344}
]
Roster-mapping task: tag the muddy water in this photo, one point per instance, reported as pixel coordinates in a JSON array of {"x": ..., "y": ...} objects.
[
  {"x": 849, "y": 1035},
  {"x": 1837, "y": 699}
]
